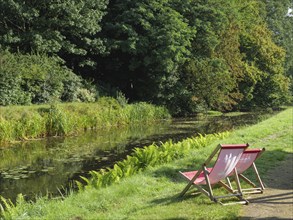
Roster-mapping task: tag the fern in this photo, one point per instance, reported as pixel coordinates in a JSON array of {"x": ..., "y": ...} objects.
[
  {"x": 6, "y": 208},
  {"x": 79, "y": 185},
  {"x": 152, "y": 155}
]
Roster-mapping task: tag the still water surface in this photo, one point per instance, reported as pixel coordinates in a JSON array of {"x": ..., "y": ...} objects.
[{"x": 45, "y": 166}]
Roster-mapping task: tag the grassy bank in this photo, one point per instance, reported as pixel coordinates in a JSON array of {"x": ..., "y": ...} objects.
[
  {"x": 151, "y": 194},
  {"x": 30, "y": 122}
]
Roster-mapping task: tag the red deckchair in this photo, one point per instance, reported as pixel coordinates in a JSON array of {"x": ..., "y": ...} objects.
[
  {"x": 225, "y": 164},
  {"x": 246, "y": 161}
]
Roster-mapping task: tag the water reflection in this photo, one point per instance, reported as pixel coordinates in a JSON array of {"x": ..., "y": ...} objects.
[{"x": 44, "y": 166}]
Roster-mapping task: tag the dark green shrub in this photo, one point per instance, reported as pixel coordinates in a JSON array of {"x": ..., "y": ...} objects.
[
  {"x": 10, "y": 82},
  {"x": 27, "y": 79},
  {"x": 76, "y": 89}
]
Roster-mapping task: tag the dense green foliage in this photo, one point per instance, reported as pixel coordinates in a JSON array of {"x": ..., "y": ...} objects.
[
  {"x": 235, "y": 63},
  {"x": 148, "y": 41},
  {"x": 24, "y": 122},
  {"x": 27, "y": 79},
  {"x": 64, "y": 28},
  {"x": 152, "y": 194},
  {"x": 189, "y": 56},
  {"x": 280, "y": 21}
]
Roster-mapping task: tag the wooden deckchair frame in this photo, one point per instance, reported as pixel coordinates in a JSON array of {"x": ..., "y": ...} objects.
[
  {"x": 209, "y": 191},
  {"x": 255, "y": 189}
]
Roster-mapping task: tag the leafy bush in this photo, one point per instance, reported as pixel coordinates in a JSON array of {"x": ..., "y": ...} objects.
[
  {"x": 10, "y": 82},
  {"x": 27, "y": 79}
]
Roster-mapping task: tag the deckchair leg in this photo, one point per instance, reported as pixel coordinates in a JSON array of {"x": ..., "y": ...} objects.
[
  {"x": 190, "y": 183},
  {"x": 185, "y": 189},
  {"x": 239, "y": 188},
  {"x": 208, "y": 183},
  {"x": 237, "y": 181},
  {"x": 197, "y": 187},
  {"x": 253, "y": 190},
  {"x": 229, "y": 183},
  {"x": 202, "y": 190},
  {"x": 247, "y": 180},
  {"x": 227, "y": 187},
  {"x": 258, "y": 177}
]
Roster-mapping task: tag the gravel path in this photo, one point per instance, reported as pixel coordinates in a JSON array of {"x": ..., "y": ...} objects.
[{"x": 277, "y": 200}]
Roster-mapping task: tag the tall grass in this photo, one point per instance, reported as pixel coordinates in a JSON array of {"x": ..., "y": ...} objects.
[{"x": 30, "y": 122}]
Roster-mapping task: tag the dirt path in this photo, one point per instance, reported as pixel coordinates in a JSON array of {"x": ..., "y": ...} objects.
[{"x": 277, "y": 200}]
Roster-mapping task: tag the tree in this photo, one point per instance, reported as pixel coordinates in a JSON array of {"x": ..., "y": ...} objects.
[
  {"x": 66, "y": 28},
  {"x": 148, "y": 41},
  {"x": 281, "y": 25},
  {"x": 188, "y": 55},
  {"x": 265, "y": 84},
  {"x": 212, "y": 73},
  {"x": 234, "y": 59}
]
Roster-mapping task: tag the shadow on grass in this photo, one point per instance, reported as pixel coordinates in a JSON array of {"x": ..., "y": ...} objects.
[
  {"x": 266, "y": 218},
  {"x": 281, "y": 198},
  {"x": 173, "y": 175},
  {"x": 275, "y": 168},
  {"x": 280, "y": 176},
  {"x": 174, "y": 199}
]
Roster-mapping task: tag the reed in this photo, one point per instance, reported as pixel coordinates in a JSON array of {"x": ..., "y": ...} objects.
[{"x": 30, "y": 122}]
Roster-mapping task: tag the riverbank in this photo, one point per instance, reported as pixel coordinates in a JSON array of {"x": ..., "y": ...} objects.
[
  {"x": 152, "y": 194},
  {"x": 19, "y": 123}
]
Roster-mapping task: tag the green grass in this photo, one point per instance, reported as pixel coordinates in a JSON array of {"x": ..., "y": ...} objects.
[{"x": 152, "y": 194}]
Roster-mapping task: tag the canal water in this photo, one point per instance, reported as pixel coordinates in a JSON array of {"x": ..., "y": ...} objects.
[{"x": 46, "y": 167}]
